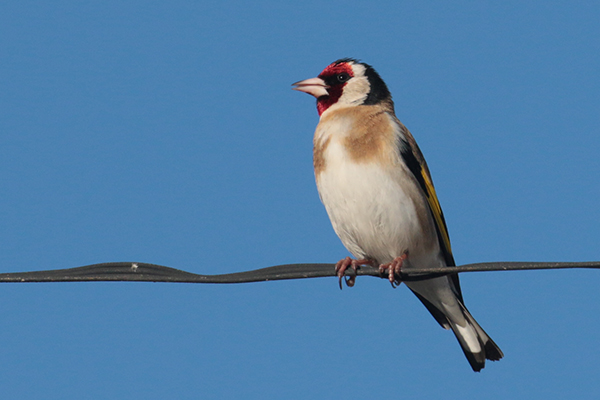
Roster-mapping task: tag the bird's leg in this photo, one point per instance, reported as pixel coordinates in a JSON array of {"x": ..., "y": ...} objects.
[
  {"x": 342, "y": 265},
  {"x": 393, "y": 269}
]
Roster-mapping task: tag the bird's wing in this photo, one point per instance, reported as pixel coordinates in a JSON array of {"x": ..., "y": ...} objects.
[{"x": 412, "y": 156}]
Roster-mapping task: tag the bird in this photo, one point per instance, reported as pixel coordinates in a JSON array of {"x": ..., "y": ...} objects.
[{"x": 377, "y": 189}]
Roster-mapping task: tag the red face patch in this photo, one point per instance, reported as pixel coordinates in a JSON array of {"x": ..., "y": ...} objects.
[
  {"x": 334, "y": 69},
  {"x": 335, "y": 76}
]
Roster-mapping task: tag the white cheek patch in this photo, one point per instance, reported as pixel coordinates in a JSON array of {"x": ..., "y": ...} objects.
[{"x": 357, "y": 88}]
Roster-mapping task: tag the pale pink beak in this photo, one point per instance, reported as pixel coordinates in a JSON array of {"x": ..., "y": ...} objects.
[{"x": 312, "y": 86}]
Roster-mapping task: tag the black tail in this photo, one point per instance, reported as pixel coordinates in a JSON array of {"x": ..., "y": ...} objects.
[
  {"x": 475, "y": 343},
  {"x": 476, "y": 355}
]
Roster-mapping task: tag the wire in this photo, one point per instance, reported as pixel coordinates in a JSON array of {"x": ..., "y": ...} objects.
[{"x": 144, "y": 272}]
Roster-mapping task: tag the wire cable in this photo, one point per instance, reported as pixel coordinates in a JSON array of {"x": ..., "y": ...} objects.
[{"x": 144, "y": 272}]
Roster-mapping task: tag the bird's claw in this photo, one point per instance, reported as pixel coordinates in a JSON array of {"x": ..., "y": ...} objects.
[
  {"x": 341, "y": 267},
  {"x": 394, "y": 269}
]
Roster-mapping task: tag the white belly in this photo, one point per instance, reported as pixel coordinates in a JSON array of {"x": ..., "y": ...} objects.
[{"x": 373, "y": 214}]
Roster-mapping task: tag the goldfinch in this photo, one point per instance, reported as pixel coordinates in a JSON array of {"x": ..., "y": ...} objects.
[{"x": 377, "y": 189}]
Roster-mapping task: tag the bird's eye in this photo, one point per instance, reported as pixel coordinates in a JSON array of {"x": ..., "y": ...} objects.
[{"x": 343, "y": 77}]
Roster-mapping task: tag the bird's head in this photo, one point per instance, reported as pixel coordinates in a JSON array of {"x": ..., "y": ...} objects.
[{"x": 346, "y": 82}]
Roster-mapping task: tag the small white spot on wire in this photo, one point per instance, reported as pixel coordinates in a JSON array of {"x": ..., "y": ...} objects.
[{"x": 134, "y": 267}]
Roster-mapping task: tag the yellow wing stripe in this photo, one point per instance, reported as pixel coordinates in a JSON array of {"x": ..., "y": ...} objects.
[{"x": 436, "y": 209}]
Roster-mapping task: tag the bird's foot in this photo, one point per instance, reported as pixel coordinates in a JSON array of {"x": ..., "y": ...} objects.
[
  {"x": 342, "y": 265},
  {"x": 393, "y": 269}
]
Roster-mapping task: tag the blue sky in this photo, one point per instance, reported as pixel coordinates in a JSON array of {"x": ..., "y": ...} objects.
[{"x": 166, "y": 132}]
